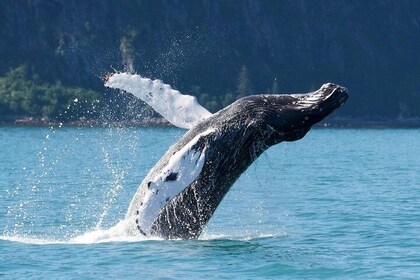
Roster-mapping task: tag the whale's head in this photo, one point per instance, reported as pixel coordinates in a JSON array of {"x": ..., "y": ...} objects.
[{"x": 290, "y": 116}]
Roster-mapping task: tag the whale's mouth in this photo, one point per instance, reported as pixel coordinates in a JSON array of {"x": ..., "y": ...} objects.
[
  {"x": 335, "y": 97},
  {"x": 295, "y": 114},
  {"x": 315, "y": 106},
  {"x": 338, "y": 95},
  {"x": 328, "y": 97}
]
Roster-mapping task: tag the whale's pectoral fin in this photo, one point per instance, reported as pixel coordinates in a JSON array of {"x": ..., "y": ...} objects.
[
  {"x": 158, "y": 189},
  {"x": 180, "y": 110}
]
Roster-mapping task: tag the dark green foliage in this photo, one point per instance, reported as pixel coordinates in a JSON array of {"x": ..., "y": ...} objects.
[
  {"x": 24, "y": 95},
  {"x": 213, "y": 103}
]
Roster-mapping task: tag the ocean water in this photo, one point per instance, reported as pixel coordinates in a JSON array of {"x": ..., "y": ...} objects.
[{"x": 340, "y": 204}]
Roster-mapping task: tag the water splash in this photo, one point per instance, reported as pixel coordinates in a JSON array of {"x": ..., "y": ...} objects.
[
  {"x": 121, "y": 232},
  {"x": 124, "y": 232},
  {"x": 115, "y": 186},
  {"x": 55, "y": 157}
]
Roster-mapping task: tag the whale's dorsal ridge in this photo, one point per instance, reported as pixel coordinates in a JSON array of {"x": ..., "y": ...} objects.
[{"x": 181, "y": 110}]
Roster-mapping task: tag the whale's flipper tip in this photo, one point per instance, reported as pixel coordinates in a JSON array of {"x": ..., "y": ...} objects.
[{"x": 181, "y": 110}]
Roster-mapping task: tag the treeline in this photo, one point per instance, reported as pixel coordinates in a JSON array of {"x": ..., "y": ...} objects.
[{"x": 24, "y": 94}]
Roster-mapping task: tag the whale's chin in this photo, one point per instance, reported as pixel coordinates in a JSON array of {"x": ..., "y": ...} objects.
[{"x": 295, "y": 134}]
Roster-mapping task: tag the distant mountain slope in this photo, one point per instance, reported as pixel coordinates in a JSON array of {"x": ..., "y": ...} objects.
[{"x": 201, "y": 46}]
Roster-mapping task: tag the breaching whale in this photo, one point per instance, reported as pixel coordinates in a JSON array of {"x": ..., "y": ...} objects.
[{"x": 181, "y": 192}]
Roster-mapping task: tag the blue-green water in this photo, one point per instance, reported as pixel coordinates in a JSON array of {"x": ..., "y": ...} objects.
[{"x": 340, "y": 203}]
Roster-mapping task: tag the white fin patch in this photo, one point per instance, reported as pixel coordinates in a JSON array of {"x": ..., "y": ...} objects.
[
  {"x": 182, "y": 169},
  {"x": 180, "y": 110}
]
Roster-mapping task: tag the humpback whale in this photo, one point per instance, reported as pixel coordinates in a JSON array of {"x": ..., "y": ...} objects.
[{"x": 181, "y": 192}]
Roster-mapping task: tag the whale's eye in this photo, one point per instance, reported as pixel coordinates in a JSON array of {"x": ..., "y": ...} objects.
[{"x": 171, "y": 177}]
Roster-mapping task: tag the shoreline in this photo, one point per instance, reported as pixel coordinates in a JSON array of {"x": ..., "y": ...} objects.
[
  {"x": 161, "y": 122},
  {"x": 45, "y": 122},
  {"x": 369, "y": 123}
]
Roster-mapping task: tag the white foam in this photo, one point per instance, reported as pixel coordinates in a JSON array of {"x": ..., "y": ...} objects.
[
  {"x": 123, "y": 231},
  {"x": 98, "y": 237},
  {"x": 181, "y": 110}
]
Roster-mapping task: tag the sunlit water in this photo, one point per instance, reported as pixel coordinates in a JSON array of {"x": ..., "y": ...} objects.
[{"x": 340, "y": 203}]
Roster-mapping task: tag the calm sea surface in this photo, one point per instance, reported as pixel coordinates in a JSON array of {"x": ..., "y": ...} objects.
[{"x": 340, "y": 203}]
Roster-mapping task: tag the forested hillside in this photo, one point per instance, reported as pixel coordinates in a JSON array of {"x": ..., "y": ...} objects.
[{"x": 53, "y": 52}]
